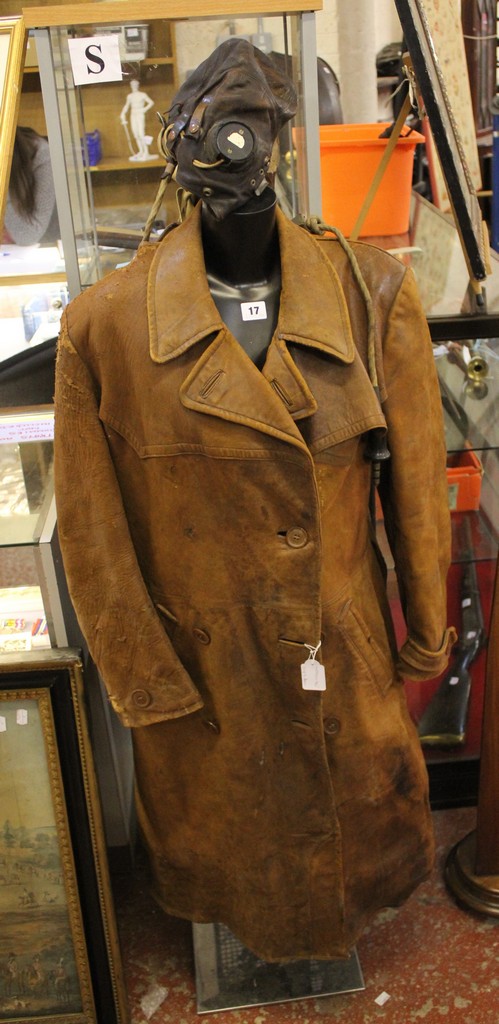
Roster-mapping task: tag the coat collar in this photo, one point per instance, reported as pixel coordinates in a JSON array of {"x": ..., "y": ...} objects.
[
  {"x": 336, "y": 393},
  {"x": 180, "y": 316}
]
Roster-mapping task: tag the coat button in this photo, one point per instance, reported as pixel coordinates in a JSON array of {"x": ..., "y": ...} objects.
[
  {"x": 201, "y": 635},
  {"x": 331, "y": 726},
  {"x": 141, "y": 698},
  {"x": 297, "y": 537}
]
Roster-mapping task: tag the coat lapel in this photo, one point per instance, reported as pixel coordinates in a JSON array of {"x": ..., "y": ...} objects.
[
  {"x": 225, "y": 383},
  {"x": 312, "y": 372}
]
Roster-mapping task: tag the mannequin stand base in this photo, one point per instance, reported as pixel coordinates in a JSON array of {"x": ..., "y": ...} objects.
[
  {"x": 229, "y": 977},
  {"x": 478, "y": 892}
]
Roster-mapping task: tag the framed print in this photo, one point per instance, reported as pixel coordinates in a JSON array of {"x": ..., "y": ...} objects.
[
  {"x": 12, "y": 50},
  {"x": 446, "y": 28},
  {"x": 59, "y": 953},
  {"x": 448, "y": 142}
]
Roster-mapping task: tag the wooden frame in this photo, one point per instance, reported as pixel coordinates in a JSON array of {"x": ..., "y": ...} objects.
[
  {"x": 110, "y": 11},
  {"x": 430, "y": 80},
  {"x": 13, "y": 37},
  {"x": 59, "y": 953}
]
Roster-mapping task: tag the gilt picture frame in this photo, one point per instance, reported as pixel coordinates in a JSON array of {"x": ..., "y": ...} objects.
[
  {"x": 59, "y": 951},
  {"x": 431, "y": 84},
  {"x": 13, "y": 38}
]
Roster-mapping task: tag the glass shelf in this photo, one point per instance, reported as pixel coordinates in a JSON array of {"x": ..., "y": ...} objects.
[{"x": 469, "y": 384}]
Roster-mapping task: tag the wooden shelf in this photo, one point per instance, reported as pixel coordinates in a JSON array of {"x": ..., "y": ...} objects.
[
  {"x": 152, "y": 61},
  {"x": 116, "y": 11},
  {"x": 33, "y": 69},
  {"x": 120, "y": 163},
  {"x": 45, "y": 276}
]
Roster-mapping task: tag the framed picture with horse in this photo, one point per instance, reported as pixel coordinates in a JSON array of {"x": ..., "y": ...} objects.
[{"x": 59, "y": 954}]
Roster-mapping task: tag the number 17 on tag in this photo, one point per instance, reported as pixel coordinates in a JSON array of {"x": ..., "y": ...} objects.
[{"x": 254, "y": 310}]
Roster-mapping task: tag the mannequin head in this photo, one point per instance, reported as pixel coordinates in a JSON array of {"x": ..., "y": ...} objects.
[{"x": 221, "y": 128}]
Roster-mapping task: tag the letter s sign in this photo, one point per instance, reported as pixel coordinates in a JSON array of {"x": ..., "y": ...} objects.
[{"x": 95, "y": 59}]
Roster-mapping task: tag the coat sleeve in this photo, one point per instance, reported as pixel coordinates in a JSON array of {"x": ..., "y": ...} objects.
[
  {"x": 144, "y": 678},
  {"x": 413, "y": 489}
]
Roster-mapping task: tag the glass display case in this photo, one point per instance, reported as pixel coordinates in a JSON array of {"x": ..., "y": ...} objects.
[
  {"x": 31, "y": 615},
  {"x": 468, "y": 373},
  {"x": 35, "y": 609},
  {"x": 105, "y": 184},
  {"x": 466, "y": 349},
  {"x": 433, "y": 248},
  {"x": 30, "y": 313}
]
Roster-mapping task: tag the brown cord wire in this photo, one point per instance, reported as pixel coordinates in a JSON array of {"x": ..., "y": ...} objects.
[{"x": 316, "y": 226}]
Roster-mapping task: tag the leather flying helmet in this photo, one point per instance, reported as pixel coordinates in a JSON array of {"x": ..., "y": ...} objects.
[{"x": 220, "y": 130}]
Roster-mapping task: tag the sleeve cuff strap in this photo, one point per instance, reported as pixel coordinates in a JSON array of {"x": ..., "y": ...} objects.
[
  {"x": 150, "y": 703},
  {"x": 415, "y": 662}
]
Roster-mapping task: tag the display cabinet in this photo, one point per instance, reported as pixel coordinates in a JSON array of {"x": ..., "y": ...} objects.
[
  {"x": 31, "y": 616},
  {"x": 147, "y": 50},
  {"x": 104, "y": 197},
  {"x": 33, "y": 294},
  {"x": 449, "y": 709},
  {"x": 35, "y": 609},
  {"x": 104, "y": 191},
  {"x": 466, "y": 349},
  {"x": 32, "y": 277}
]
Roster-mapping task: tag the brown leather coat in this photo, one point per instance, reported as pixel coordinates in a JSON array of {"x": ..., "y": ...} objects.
[{"x": 214, "y": 520}]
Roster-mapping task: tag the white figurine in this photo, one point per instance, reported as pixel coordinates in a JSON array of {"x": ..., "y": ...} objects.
[{"x": 138, "y": 103}]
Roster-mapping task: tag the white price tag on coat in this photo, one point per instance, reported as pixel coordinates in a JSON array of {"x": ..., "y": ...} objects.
[
  {"x": 253, "y": 310},
  {"x": 313, "y": 675}
]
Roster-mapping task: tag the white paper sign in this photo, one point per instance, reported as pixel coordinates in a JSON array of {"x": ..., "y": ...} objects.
[
  {"x": 95, "y": 59},
  {"x": 32, "y": 428},
  {"x": 22, "y": 716},
  {"x": 253, "y": 310}
]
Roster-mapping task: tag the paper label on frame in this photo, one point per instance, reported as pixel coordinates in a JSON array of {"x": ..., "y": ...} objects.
[{"x": 17, "y": 429}]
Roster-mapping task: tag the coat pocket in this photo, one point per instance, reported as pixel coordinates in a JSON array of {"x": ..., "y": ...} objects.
[
  {"x": 169, "y": 620},
  {"x": 360, "y": 639}
]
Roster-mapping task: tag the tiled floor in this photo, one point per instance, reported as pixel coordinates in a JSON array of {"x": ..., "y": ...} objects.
[{"x": 435, "y": 961}]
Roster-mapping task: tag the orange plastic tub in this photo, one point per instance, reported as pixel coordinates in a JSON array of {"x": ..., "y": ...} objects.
[
  {"x": 350, "y": 155},
  {"x": 464, "y": 480}
]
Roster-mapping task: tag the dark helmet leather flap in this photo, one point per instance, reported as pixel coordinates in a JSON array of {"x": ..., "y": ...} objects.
[{"x": 223, "y": 122}]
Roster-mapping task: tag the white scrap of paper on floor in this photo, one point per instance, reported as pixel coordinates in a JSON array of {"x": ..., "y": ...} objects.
[
  {"x": 382, "y": 998},
  {"x": 153, "y": 1000}
]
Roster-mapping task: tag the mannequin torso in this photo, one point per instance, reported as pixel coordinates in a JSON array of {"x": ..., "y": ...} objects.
[{"x": 242, "y": 264}]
